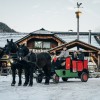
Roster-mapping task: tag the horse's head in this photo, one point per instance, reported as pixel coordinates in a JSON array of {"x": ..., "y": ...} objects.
[
  {"x": 10, "y": 47},
  {"x": 22, "y": 51}
]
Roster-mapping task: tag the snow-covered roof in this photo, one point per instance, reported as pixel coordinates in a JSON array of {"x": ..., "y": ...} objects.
[
  {"x": 75, "y": 33},
  {"x": 84, "y": 38},
  {"x": 42, "y": 31}
]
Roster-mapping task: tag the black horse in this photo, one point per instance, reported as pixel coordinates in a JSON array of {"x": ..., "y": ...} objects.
[
  {"x": 22, "y": 64},
  {"x": 35, "y": 61},
  {"x": 11, "y": 49},
  {"x": 18, "y": 62}
]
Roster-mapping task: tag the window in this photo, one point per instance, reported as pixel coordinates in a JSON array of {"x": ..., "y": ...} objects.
[
  {"x": 38, "y": 44},
  {"x": 46, "y": 44},
  {"x": 41, "y": 44}
]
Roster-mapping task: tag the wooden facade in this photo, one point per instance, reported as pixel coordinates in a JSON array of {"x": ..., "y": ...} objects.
[{"x": 40, "y": 41}]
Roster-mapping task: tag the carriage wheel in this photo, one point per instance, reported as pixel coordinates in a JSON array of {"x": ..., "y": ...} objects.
[
  {"x": 84, "y": 77},
  {"x": 64, "y": 79},
  {"x": 39, "y": 78},
  {"x": 55, "y": 78}
]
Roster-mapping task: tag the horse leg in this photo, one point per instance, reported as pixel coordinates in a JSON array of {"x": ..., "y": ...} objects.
[
  {"x": 31, "y": 75},
  {"x": 31, "y": 79},
  {"x": 20, "y": 74},
  {"x": 26, "y": 77},
  {"x": 47, "y": 75},
  {"x": 13, "y": 68}
]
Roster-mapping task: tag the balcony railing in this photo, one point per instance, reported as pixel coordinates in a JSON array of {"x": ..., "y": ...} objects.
[{"x": 39, "y": 50}]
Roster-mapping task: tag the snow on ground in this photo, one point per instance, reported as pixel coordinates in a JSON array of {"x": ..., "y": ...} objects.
[{"x": 74, "y": 89}]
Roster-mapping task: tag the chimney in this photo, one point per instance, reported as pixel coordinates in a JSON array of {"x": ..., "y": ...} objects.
[{"x": 89, "y": 38}]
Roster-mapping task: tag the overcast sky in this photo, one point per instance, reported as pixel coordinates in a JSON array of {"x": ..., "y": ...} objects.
[{"x": 53, "y": 15}]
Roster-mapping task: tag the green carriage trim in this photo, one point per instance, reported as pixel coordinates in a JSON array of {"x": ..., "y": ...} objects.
[{"x": 66, "y": 73}]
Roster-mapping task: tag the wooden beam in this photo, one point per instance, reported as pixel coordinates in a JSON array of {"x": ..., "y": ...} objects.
[
  {"x": 42, "y": 37},
  {"x": 76, "y": 43},
  {"x": 99, "y": 60}
]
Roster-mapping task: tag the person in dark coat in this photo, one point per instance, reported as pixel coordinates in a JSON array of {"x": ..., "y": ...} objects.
[{"x": 80, "y": 55}]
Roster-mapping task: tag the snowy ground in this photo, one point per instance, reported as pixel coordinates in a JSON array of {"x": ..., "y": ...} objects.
[{"x": 74, "y": 89}]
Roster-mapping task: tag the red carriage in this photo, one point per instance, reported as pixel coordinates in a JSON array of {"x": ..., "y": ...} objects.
[{"x": 72, "y": 69}]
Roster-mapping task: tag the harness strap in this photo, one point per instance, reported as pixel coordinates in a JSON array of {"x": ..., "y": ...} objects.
[{"x": 36, "y": 57}]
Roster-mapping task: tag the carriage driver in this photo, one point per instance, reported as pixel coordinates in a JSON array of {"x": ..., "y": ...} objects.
[{"x": 64, "y": 53}]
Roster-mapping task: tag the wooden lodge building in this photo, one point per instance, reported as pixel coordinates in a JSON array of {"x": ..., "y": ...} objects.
[{"x": 41, "y": 40}]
